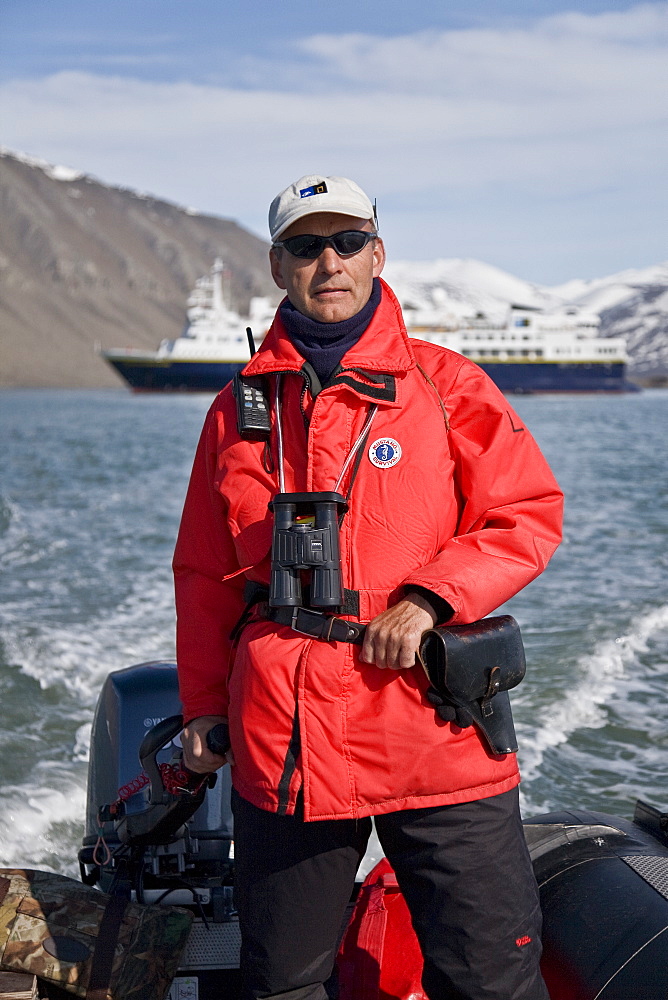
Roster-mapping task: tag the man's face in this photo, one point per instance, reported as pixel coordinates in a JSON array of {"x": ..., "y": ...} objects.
[{"x": 330, "y": 288}]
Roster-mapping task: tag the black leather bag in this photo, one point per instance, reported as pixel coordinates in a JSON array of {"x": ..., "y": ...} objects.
[{"x": 472, "y": 668}]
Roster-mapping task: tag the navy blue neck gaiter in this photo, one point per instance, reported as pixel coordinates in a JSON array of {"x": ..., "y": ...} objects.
[{"x": 324, "y": 344}]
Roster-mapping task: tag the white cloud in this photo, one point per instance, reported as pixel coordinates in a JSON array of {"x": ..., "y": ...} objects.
[
  {"x": 645, "y": 23},
  {"x": 563, "y": 51},
  {"x": 439, "y": 122}
]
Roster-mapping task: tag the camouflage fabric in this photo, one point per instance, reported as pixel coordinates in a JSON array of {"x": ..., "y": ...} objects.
[{"x": 91, "y": 944}]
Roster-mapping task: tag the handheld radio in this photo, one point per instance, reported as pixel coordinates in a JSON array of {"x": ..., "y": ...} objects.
[{"x": 250, "y": 393}]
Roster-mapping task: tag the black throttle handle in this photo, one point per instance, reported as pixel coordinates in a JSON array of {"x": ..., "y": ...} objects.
[{"x": 218, "y": 739}]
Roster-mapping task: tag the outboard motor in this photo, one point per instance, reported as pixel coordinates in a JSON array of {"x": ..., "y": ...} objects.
[
  {"x": 604, "y": 894},
  {"x": 159, "y": 834}
]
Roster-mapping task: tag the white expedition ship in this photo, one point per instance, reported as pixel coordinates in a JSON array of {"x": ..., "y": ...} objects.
[{"x": 531, "y": 351}]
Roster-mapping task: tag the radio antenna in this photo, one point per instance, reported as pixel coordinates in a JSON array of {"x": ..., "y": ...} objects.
[{"x": 251, "y": 342}]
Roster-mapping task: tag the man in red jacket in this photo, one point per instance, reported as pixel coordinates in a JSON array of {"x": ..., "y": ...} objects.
[{"x": 451, "y": 510}]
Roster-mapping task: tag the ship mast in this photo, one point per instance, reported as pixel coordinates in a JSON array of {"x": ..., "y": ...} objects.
[{"x": 218, "y": 302}]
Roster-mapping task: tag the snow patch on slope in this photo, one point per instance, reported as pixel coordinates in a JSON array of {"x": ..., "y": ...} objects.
[{"x": 54, "y": 171}]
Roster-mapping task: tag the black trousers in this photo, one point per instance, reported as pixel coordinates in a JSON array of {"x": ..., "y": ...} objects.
[{"x": 464, "y": 871}]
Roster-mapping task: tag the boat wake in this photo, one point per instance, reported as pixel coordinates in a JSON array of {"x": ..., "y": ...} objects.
[
  {"x": 78, "y": 657},
  {"x": 37, "y": 821},
  {"x": 612, "y": 686}
]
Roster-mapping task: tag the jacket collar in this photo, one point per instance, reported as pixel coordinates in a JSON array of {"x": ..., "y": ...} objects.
[{"x": 384, "y": 346}]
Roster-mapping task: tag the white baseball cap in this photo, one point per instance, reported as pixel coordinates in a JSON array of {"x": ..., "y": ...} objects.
[{"x": 315, "y": 193}]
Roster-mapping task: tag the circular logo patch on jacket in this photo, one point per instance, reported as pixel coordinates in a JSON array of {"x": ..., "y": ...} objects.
[{"x": 384, "y": 453}]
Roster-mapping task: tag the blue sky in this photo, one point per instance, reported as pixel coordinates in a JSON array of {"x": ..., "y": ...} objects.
[{"x": 531, "y": 135}]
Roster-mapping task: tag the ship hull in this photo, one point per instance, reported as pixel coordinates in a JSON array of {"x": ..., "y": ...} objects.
[
  {"x": 561, "y": 376},
  {"x": 151, "y": 375}
]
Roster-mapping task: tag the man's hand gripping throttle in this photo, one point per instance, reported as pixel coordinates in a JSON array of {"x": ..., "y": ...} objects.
[{"x": 200, "y": 744}]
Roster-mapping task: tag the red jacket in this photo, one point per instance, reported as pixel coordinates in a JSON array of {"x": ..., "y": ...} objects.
[{"x": 470, "y": 511}]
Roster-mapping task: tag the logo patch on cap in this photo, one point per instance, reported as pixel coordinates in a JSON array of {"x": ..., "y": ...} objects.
[
  {"x": 384, "y": 453},
  {"x": 320, "y": 188}
]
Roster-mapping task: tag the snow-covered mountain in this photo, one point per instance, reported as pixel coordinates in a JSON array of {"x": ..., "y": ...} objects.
[
  {"x": 462, "y": 287},
  {"x": 632, "y": 304}
]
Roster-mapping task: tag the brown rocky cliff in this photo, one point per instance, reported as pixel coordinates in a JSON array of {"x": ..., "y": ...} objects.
[{"x": 83, "y": 264}]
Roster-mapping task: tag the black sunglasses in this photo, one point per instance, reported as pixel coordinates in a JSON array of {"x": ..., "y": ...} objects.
[{"x": 346, "y": 244}]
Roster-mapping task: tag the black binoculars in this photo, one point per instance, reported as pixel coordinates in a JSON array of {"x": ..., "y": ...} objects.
[{"x": 306, "y": 537}]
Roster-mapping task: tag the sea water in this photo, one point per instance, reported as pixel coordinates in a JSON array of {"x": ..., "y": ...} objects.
[{"x": 91, "y": 488}]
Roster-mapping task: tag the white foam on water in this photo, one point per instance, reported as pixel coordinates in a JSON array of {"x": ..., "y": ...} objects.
[
  {"x": 31, "y": 820},
  {"x": 80, "y": 656},
  {"x": 41, "y": 820},
  {"x": 600, "y": 675},
  {"x": 81, "y": 748}
]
